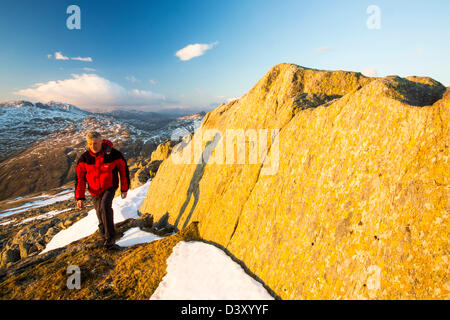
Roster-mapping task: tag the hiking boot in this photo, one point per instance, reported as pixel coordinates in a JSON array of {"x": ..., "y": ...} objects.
[
  {"x": 99, "y": 243},
  {"x": 113, "y": 247}
]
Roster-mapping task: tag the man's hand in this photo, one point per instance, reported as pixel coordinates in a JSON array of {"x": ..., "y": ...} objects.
[
  {"x": 80, "y": 204},
  {"x": 124, "y": 195}
]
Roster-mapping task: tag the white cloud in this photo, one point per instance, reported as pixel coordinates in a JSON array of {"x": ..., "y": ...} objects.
[
  {"x": 60, "y": 56},
  {"x": 232, "y": 99},
  {"x": 87, "y": 59},
  {"x": 89, "y": 69},
  {"x": 90, "y": 91},
  {"x": 152, "y": 81},
  {"x": 176, "y": 107},
  {"x": 194, "y": 50},
  {"x": 226, "y": 99},
  {"x": 370, "y": 72},
  {"x": 132, "y": 79},
  {"x": 324, "y": 49},
  {"x": 418, "y": 50}
]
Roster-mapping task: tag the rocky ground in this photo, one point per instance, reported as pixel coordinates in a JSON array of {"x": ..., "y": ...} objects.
[
  {"x": 28, "y": 223},
  {"x": 26, "y": 233},
  {"x": 129, "y": 273}
]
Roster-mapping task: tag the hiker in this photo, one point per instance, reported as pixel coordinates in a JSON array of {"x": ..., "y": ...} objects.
[{"x": 100, "y": 167}]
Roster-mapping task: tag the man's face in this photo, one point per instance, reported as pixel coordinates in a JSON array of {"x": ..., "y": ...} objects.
[{"x": 95, "y": 144}]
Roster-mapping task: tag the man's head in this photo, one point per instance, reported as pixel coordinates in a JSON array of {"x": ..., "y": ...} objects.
[{"x": 94, "y": 141}]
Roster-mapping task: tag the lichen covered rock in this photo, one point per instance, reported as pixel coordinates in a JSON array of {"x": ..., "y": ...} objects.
[{"x": 349, "y": 199}]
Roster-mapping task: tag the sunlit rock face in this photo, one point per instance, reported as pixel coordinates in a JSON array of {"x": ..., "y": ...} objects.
[{"x": 343, "y": 191}]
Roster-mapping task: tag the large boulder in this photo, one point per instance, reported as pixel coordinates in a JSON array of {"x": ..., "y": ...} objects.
[{"x": 348, "y": 198}]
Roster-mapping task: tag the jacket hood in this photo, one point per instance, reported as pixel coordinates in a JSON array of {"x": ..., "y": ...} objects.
[{"x": 107, "y": 143}]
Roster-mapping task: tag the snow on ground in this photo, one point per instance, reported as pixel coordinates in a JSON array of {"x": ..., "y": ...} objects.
[
  {"x": 44, "y": 216},
  {"x": 6, "y": 222},
  {"x": 47, "y": 200},
  {"x": 135, "y": 236},
  {"x": 123, "y": 209},
  {"x": 197, "y": 270}
]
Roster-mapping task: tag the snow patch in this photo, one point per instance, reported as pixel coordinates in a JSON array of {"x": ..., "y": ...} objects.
[
  {"x": 48, "y": 200},
  {"x": 6, "y": 222},
  {"x": 44, "y": 216},
  {"x": 136, "y": 236},
  {"x": 201, "y": 271}
]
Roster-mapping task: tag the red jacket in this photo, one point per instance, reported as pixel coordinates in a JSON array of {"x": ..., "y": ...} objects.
[{"x": 101, "y": 171}]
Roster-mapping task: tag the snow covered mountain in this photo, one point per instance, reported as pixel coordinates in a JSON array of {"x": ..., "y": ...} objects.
[
  {"x": 39, "y": 143},
  {"x": 51, "y": 105},
  {"x": 23, "y": 123}
]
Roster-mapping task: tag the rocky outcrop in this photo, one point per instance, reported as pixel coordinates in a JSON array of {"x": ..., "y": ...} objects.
[
  {"x": 348, "y": 196},
  {"x": 146, "y": 169},
  {"x": 163, "y": 150},
  {"x": 26, "y": 234}
]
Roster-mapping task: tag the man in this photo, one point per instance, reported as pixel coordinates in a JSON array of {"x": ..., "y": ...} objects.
[{"x": 100, "y": 167}]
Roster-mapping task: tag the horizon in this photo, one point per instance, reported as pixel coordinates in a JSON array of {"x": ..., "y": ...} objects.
[
  {"x": 193, "y": 56},
  {"x": 166, "y": 112}
]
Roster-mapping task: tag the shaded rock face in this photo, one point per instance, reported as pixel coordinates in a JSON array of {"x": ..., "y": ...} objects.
[{"x": 355, "y": 204}]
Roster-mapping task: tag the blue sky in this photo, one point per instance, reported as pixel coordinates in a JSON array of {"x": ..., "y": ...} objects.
[{"x": 129, "y": 47}]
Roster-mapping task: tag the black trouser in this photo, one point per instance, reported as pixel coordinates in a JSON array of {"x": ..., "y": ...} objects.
[{"x": 105, "y": 214}]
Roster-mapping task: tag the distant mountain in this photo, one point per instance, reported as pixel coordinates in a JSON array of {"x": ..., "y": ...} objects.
[
  {"x": 67, "y": 107},
  {"x": 152, "y": 115},
  {"x": 22, "y": 122},
  {"x": 51, "y": 105},
  {"x": 50, "y": 162},
  {"x": 198, "y": 115},
  {"x": 183, "y": 112},
  {"x": 136, "y": 114},
  {"x": 40, "y": 142},
  {"x": 144, "y": 120},
  {"x": 157, "y": 123}
]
